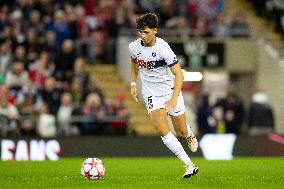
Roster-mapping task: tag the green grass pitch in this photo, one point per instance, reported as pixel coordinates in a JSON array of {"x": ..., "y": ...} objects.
[{"x": 148, "y": 173}]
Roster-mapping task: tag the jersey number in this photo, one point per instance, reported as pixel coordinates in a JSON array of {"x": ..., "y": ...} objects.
[{"x": 150, "y": 102}]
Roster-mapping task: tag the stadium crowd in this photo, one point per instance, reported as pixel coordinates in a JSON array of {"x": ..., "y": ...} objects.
[
  {"x": 228, "y": 115},
  {"x": 45, "y": 46}
]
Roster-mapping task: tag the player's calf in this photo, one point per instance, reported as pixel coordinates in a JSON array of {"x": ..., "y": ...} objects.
[
  {"x": 191, "y": 140},
  {"x": 192, "y": 143}
]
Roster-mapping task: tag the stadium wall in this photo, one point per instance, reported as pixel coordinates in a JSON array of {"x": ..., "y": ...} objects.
[
  {"x": 270, "y": 79},
  {"x": 240, "y": 55}
]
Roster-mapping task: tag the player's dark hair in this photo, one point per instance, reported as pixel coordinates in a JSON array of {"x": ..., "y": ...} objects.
[{"x": 147, "y": 20}]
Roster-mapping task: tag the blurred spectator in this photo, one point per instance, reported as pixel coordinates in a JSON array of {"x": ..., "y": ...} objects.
[
  {"x": 35, "y": 21},
  {"x": 70, "y": 19},
  {"x": 91, "y": 12},
  {"x": 233, "y": 112},
  {"x": 32, "y": 45},
  {"x": 239, "y": 26},
  {"x": 25, "y": 7},
  {"x": 218, "y": 114},
  {"x": 120, "y": 19},
  {"x": 99, "y": 41},
  {"x": 192, "y": 11},
  {"x": 21, "y": 56},
  {"x": 28, "y": 109},
  {"x": 50, "y": 45},
  {"x": 30, "y": 93},
  {"x": 50, "y": 95},
  {"x": 84, "y": 46},
  {"x": 180, "y": 24},
  {"x": 93, "y": 110},
  {"x": 46, "y": 123},
  {"x": 219, "y": 5},
  {"x": 41, "y": 69},
  {"x": 144, "y": 6},
  {"x": 105, "y": 11},
  {"x": 208, "y": 8},
  {"x": 260, "y": 115},
  {"x": 116, "y": 109},
  {"x": 18, "y": 32},
  {"x": 59, "y": 26},
  {"x": 5, "y": 57},
  {"x": 90, "y": 7},
  {"x": 77, "y": 92},
  {"x": 80, "y": 73},
  {"x": 205, "y": 119},
  {"x": 64, "y": 63},
  {"x": 98, "y": 24},
  {"x": 3, "y": 18},
  {"x": 6, "y": 33},
  {"x": 221, "y": 27},
  {"x": 4, "y": 91},
  {"x": 93, "y": 88},
  {"x": 165, "y": 12},
  {"x": 8, "y": 116},
  {"x": 65, "y": 127},
  {"x": 201, "y": 28},
  {"x": 16, "y": 79}
]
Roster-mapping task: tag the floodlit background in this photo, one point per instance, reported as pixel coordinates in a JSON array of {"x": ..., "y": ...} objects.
[
  {"x": 65, "y": 78},
  {"x": 65, "y": 93}
]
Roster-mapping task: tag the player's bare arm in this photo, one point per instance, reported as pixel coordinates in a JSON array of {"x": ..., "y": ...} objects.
[
  {"x": 133, "y": 80},
  {"x": 176, "y": 70}
]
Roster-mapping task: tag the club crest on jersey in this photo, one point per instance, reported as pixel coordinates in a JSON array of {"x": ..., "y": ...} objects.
[{"x": 154, "y": 54}]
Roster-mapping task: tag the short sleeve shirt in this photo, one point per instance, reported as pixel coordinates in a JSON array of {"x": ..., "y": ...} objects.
[{"x": 153, "y": 66}]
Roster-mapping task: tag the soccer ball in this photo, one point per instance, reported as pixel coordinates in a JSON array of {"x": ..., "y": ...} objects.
[{"x": 92, "y": 168}]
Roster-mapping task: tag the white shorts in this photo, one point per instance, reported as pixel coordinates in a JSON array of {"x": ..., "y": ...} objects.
[{"x": 158, "y": 102}]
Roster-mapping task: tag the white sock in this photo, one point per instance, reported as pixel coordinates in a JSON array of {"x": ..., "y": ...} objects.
[
  {"x": 175, "y": 146},
  {"x": 189, "y": 131}
]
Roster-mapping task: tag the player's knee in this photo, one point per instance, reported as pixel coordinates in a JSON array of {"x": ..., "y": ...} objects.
[{"x": 161, "y": 128}]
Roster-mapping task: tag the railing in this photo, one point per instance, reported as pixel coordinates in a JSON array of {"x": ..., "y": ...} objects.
[{"x": 6, "y": 126}]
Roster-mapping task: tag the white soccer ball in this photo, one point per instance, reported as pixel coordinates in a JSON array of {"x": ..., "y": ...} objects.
[{"x": 92, "y": 168}]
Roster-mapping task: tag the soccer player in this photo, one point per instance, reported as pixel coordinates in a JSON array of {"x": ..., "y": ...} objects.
[{"x": 161, "y": 77}]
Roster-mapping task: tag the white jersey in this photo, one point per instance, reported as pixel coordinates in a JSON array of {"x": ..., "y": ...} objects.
[{"x": 153, "y": 66}]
